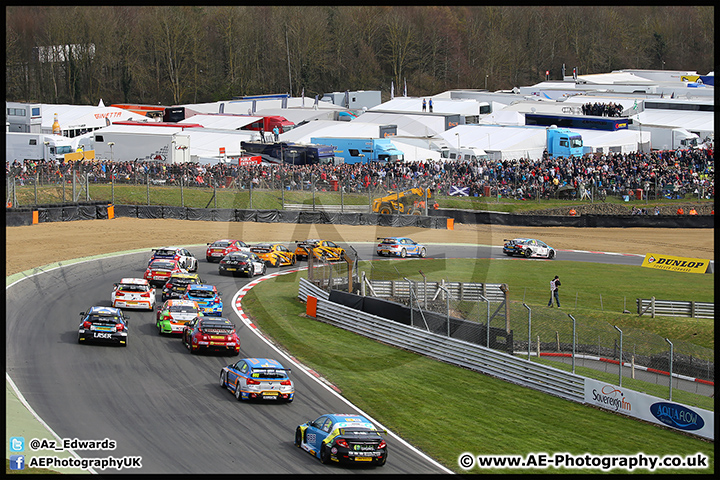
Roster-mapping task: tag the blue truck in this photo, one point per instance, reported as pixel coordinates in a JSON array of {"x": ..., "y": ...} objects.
[
  {"x": 362, "y": 150},
  {"x": 562, "y": 142}
]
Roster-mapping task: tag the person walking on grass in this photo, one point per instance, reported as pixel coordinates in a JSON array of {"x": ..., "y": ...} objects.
[{"x": 554, "y": 291}]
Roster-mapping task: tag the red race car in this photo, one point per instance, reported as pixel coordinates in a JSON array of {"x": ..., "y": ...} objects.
[
  {"x": 160, "y": 270},
  {"x": 211, "y": 334},
  {"x": 219, "y": 248}
]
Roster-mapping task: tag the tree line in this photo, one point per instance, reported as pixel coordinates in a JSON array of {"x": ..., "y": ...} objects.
[{"x": 192, "y": 54}]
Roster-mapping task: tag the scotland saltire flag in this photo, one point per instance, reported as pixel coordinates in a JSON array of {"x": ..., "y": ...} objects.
[{"x": 459, "y": 191}]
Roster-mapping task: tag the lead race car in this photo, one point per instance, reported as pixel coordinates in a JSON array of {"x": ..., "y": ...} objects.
[
  {"x": 342, "y": 438},
  {"x": 528, "y": 248}
]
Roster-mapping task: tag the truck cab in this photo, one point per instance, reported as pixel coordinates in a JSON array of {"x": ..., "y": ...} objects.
[{"x": 562, "y": 142}]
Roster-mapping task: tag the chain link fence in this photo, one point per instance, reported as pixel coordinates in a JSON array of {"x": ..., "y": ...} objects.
[{"x": 538, "y": 331}]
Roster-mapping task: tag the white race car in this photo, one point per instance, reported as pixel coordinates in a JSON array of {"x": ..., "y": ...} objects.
[
  {"x": 133, "y": 293},
  {"x": 185, "y": 259},
  {"x": 528, "y": 247}
]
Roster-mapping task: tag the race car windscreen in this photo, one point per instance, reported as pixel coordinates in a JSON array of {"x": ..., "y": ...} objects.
[
  {"x": 202, "y": 293},
  {"x": 104, "y": 319},
  {"x": 217, "y": 329},
  {"x": 164, "y": 253},
  {"x": 389, "y": 241},
  {"x": 133, "y": 288},
  {"x": 182, "y": 309},
  {"x": 162, "y": 265},
  {"x": 221, "y": 244},
  {"x": 268, "y": 373}
]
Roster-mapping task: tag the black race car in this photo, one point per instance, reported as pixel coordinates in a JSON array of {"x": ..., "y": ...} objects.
[
  {"x": 103, "y": 324},
  {"x": 247, "y": 263}
]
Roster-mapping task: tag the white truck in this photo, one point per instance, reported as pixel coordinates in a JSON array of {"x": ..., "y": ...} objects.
[
  {"x": 665, "y": 138},
  {"x": 32, "y": 146},
  {"x": 463, "y": 153},
  {"x": 141, "y": 142}
]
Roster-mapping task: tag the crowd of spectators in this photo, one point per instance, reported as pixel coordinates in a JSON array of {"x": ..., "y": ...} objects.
[
  {"x": 602, "y": 109},
  {"x": 671, "y": 173}
]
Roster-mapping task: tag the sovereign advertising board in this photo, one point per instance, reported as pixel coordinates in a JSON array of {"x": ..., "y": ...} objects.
[{"x": 693, "y": 420}]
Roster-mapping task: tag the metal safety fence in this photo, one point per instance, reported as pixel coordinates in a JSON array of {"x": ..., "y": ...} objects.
[{"x": 543, "y": 331}]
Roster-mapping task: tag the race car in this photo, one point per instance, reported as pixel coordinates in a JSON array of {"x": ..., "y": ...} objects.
[
  {"x": 174, "y": 314},
  {"x": 103, "y": 324},
  {"x": 182, "y": 255},
  {"x": 133, "y": 293},
  {"x": 207, "y": 297},
  {"x": 400, "y": 246},
  {"x": 218, "y": 249},
  {"x": 258, "y": 378},
  {"x": 274, "y": 254},
  {"x": 528, "y": 247},
  {"x": 345, "y": 438},
  {"x": 178, "y": 283},
  {"x": 242, "y": 262},
  {"x": 211, "y": 334},
  {"x": 321, "y": 248},
  {"x": 160, "y": 270}
]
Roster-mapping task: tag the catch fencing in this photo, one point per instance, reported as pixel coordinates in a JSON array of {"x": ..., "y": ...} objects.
[
  {"x": 457, "y": 352},
  {"x": 541, "y": 331}
]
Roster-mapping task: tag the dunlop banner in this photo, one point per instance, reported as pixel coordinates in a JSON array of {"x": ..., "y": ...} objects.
[{"x": 676, "y": 264}]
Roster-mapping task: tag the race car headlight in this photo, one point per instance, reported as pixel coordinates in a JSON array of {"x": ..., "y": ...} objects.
[{"x": 342, "y": 442}]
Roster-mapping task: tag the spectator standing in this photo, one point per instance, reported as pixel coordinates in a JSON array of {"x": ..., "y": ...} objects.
[
  {"x": 276, "y": 133},
  {"x": 554, "y": 291},
  {"x": 430, "y": 105},
  {"x": 424, "y": 107}
]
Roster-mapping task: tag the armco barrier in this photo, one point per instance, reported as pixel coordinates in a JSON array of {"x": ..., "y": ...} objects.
[
  {"x": 457, "y": 352},
  {"x": 458, "y": 290},
  {"x": 669, "y": 308}
]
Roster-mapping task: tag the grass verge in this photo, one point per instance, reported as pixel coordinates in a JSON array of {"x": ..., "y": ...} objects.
[{"x": 444, "y": 410}]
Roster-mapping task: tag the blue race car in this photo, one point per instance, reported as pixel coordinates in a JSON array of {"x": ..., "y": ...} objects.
[
  {"x": 258, "y": 378},
  {"x": 207, "y": 297},
  {"x": 401, "y": 247},
  {"x": 103, "y": 324},
  {"x": 342, "y": 438}
]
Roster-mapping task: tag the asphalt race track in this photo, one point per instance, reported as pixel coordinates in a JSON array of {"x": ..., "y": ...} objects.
[{"x": 158, "y": 401}]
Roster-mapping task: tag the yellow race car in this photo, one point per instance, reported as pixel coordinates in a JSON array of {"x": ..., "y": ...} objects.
[
  {"x": 321, "y": 249},
  {"x": 274, "y": 254}
]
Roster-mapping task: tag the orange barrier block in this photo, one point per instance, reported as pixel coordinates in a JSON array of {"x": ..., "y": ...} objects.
[
  {"x": 111, "y": 211},
  {"x": 451, "y": 224},
  {"x": 311, "y": 307},
  {"x": 35, "y": 217}
]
